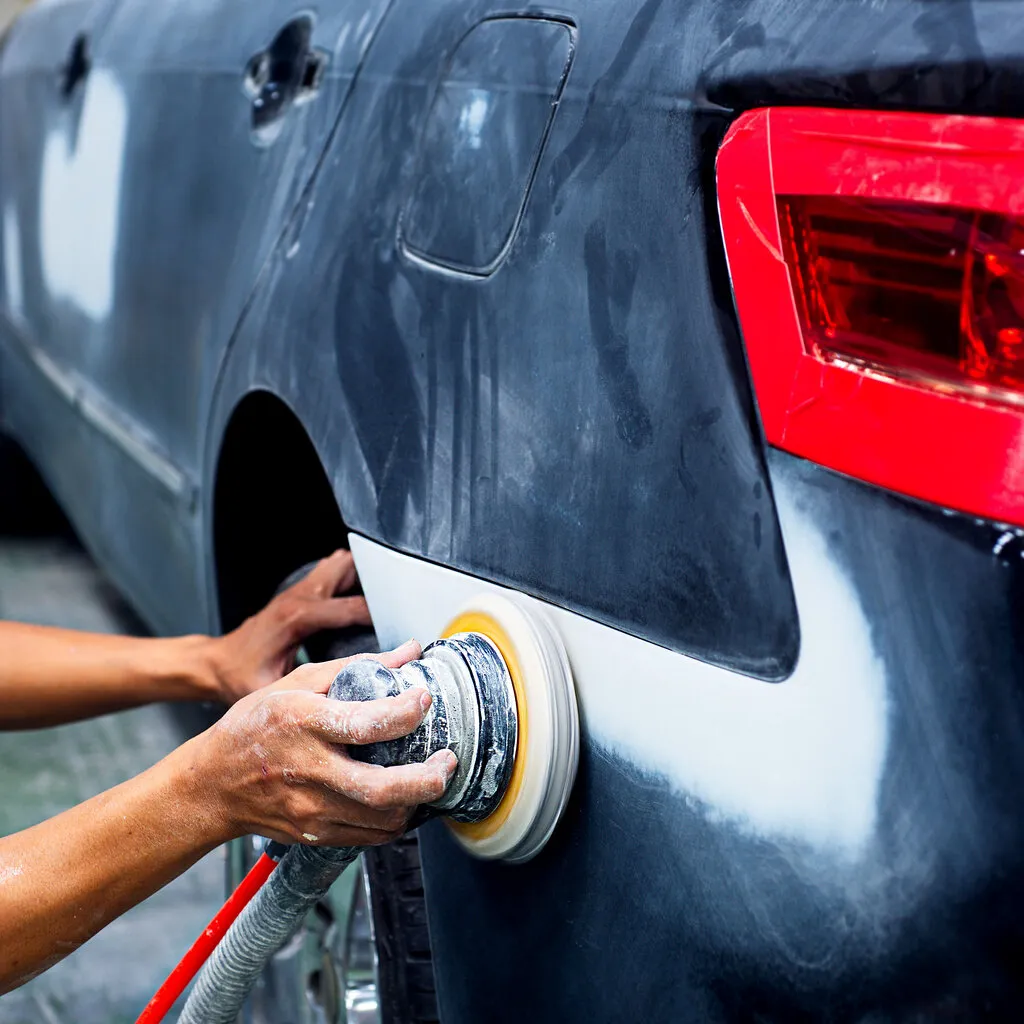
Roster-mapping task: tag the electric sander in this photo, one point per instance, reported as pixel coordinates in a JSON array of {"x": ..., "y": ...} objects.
[{"x": 503, "y": 702}]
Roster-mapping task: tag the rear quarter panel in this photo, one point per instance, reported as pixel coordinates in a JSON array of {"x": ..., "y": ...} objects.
[{"x": 837, "y": 846}]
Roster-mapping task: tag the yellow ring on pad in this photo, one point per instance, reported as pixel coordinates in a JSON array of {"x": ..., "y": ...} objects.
[
  {"x": 477, "y": 622},
  {"x": 548, "y": 735}
]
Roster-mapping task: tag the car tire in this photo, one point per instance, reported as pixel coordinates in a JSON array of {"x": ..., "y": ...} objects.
[{"x": 405, "y": 965}]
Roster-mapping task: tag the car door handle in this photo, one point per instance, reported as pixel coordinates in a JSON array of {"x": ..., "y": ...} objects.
[
  {"x": 76, "y": 67},
  {"x": 285, "y": 73}
]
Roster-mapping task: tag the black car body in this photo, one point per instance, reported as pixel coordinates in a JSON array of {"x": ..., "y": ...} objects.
[{"x": 450, "y": 276}]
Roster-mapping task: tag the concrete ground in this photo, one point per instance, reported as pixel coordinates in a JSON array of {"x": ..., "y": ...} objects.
[{"x": 49, "y": 579}]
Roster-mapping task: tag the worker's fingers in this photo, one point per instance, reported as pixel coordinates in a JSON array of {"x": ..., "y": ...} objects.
[
  {"x": 311, "y": 806},
  {"x": 300, "y": 616},
  {"x": 343, "y": 835},
  {"x": 330, "y": 613},
  {"x": 331, "y": 575},
  {"x": 405, "y": 785},
  {"x": 318, "y": 676},
  {"x": 389, "y": 819},
  {"x": 368, "y": 721},
  {"x": 408, "y": 651}
]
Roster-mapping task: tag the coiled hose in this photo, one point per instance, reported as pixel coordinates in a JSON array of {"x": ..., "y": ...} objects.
[{"x": 303, "y": 876}]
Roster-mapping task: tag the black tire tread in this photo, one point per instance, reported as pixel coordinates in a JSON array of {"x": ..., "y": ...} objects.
[{"x": 405, "y": 963}]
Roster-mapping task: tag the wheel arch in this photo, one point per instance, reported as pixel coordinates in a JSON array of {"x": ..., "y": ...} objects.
[{"x": 273, "y": 506}]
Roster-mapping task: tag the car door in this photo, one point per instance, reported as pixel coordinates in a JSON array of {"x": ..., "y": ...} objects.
[
  {"x": 56, "y": 244},
  {"x": 230, "y": 108},
  {"x": 54, "y": 134},
  {"x": 170, "y": 157}
]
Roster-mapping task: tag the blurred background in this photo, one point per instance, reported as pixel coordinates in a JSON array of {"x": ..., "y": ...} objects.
[
  {"x": 8, "y": 9},
  {"x": 46, "y": 577}
]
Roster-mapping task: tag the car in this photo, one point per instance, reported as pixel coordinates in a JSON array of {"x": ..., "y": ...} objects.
[{"x": 696, "y": 324}]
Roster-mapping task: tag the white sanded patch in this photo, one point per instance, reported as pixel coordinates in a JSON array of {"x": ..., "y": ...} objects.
[
  {"x": 800, "y": 759},
  {"x": 80, "y": 198}
]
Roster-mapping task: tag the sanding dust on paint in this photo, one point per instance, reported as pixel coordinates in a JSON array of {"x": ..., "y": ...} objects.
[{"x": 801, "y": 759}]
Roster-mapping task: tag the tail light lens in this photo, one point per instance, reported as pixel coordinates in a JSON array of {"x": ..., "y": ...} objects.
[
  {"x": 933, "y": 294},
  {"x": 878, "y": 266}
]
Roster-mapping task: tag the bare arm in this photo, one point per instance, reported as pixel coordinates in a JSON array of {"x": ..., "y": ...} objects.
[
  {"x": 274, "y": 765},
  {"x": 65, "y": 879},
  {"x": 49, "y": 676}
]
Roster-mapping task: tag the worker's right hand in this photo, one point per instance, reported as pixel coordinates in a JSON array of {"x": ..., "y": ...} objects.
[{"x": 277, "y": 763}]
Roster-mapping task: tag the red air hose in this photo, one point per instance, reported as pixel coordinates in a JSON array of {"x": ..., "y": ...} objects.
[{"x": 190, "y": 963}]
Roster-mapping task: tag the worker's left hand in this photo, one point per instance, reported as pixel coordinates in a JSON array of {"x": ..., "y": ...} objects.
[{"x": 262, "y": 649}]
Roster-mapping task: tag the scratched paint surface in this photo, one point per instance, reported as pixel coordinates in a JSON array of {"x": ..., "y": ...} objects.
[{"x": 51, "y": 581}]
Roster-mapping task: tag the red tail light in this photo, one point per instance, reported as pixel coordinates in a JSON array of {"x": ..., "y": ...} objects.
[
  {"x": 878, "y": 266},
  {"x": 930, "y": 293}
]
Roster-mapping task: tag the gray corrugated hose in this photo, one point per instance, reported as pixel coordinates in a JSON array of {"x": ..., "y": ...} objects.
[{"x": 303, "y": 876}]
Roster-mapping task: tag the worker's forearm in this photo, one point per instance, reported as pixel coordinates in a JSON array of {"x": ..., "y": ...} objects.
[
  {"x": 65, "y": 879},
  {"x": 277, "y": 764},
  {"x": 49, "y": 676}
]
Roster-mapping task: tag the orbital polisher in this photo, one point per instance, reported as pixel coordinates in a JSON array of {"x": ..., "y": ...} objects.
[{"x": 503, "y": 702}]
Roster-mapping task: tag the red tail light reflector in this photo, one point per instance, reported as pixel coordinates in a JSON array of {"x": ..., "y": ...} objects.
[
  {"x": 877, "y": 262},
  {"x": 933, "y": 294}
]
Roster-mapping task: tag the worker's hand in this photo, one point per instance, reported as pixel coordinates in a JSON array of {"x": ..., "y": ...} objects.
[
  {"x": 263, "y": 647},
  {"x": 277, "y": 762}
]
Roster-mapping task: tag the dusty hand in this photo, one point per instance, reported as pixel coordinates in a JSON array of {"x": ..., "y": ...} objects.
[
  {"x": 278, "y": 766},
  {"x": 262, "y": 649}
]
